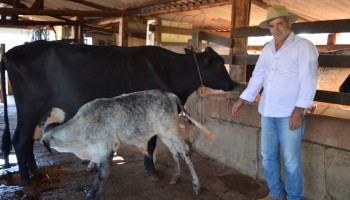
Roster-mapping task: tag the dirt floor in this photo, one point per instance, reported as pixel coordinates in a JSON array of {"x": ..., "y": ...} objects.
[{"x": 66, "y": 177}]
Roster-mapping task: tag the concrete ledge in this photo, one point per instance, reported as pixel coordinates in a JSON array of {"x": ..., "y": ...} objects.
[{"x": 328, "y": 131}]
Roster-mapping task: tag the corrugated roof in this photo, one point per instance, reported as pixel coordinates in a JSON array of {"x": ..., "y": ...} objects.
[{"x": 206, "y": 14}]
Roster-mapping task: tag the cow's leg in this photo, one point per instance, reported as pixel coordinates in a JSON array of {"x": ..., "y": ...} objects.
[
  {"x": 31, "y": 159},
  {"x": 177, "y": 172},
  {"x": 102, "y": 173},
  {"x": 23, "y": 144},
  {"x": 182, "y": 148}
]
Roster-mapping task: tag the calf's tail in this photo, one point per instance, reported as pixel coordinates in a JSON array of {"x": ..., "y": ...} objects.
[
  {"x": 6, "y": 137},
  {"x": 208, "y": 135}
]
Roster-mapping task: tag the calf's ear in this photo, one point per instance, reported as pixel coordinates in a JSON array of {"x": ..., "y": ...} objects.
[{"x": 47, "y": 145}]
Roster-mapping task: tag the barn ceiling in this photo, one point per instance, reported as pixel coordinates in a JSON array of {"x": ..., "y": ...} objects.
[{"x": 102, "y": 15}]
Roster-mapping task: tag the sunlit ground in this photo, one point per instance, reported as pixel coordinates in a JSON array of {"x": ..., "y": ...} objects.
[{"x": 12, "y": 158}]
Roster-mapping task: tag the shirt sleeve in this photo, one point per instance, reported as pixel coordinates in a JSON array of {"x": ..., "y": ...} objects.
[
  {"x": 308, "y": 69},
  {"x": 256, "y": 81}
]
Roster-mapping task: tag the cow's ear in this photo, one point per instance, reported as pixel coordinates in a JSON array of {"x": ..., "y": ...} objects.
[
  {"x": 209, "y": 49},
  {"x": 188, "y": 51}
]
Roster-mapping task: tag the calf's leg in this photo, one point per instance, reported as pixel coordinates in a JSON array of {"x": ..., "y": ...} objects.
[
  {"x": 177, "y": 172},
  {"x": 148, "y": 163},
  {"x": 102, "y": 173},
  {"x": 182, "y": 148}
]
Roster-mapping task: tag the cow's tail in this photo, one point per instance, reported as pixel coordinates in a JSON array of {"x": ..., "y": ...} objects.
[
  {"x": 6, "y": 137},
  {"x": 208, "y": 135}
]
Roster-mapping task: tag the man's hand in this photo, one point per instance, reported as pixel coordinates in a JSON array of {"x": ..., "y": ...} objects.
[
  {"x": 296, "y": 119},
  {"x": 236, "y": 106}
]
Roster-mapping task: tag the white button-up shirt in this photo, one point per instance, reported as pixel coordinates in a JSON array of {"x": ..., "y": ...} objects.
[{"x": 288, "y": 76}]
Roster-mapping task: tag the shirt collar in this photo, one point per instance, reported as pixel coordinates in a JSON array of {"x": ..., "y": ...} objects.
[{"x": 291, "y": 37}]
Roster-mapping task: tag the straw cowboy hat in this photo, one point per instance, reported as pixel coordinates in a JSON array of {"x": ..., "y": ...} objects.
[{"x": 277, "y": 11}]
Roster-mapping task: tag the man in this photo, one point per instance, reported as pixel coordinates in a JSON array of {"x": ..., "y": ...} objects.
[{"x": 287, "y": 70}]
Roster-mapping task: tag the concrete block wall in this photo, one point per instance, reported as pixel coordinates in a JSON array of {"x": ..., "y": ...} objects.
[{"x": 325, "y": 148}]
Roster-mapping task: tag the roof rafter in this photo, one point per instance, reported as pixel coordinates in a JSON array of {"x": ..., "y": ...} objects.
[
  {"x": 95, "y": 5},
  {"x": 176, "y": 6}
]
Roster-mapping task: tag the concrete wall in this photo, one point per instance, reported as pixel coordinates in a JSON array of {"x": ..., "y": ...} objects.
[{"x": 325, "y": 150}]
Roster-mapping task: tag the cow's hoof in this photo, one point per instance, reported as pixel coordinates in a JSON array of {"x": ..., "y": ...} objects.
[
  {"x": 36, "y": 174},
  {"x": 90, "y": 194},
  {"x": 6, "y": 165},
  {"x": 99, "y": 197},
  {"x": 30, "y": 191},
  {"x": 152, "y": 177},
  {"x": 196, "y": 190}
]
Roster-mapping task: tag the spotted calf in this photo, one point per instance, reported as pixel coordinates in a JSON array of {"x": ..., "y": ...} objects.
[{"x": 100, "y": 126}]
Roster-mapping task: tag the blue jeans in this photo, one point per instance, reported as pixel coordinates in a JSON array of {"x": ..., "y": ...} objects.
[{"x": 275, "y": 134}]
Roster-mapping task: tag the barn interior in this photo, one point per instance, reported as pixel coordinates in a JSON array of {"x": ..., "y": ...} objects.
[{"x": 230, "y": 28}]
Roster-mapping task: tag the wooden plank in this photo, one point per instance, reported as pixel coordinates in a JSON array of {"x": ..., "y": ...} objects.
[
  {"x": 321, "y": 95},
  {"x": 174, "y": 30},
  {"x": 35, "y": 23},
  {"x": 333, "y": 97},
  {"x": 224, "y": 41},
  {"x": 342, "y": 61},
  {"x": 143, "y": 12},
  {"x": 95, "y": 5},
  {"x": 330, "y": 26},
  {"x": 59, "y": 13},
  {"x": 334, "y": 61}
]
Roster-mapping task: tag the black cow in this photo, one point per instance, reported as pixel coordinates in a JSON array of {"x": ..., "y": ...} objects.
[{"x": 51, "y": 74}]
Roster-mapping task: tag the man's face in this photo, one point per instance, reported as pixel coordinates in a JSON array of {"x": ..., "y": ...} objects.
[{"x": 280, "y": 28}]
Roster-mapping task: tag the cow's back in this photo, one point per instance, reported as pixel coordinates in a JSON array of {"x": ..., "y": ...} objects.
[{"x": 69, "y": 75}]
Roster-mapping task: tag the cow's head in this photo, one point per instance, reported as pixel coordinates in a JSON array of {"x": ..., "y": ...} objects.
[{"x": 212, "y": 70}]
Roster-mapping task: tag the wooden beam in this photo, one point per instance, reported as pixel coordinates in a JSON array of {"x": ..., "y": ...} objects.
[
  {"x": 94, "y": 5},
  {"x": 59, "y": 13},
  {"x": 38, "y": 4},
  {"x": 321, "y": 95},
  {"x": 174, "y": 30},
  {"x": 330, "y": 26},
  {"x": 149, "y": 4},
  {"x": 224, "y": 41},
  {"x": 342, "y": 61},
  {"x": 333, "y": 97},
  {"x": 20, "y": 23},
  {"x": 178, "y": 7},
  {"x": 11, "y": 3}
]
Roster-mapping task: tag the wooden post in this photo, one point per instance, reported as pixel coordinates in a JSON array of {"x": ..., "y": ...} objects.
[
  {"x": 2, "y": 51},
  {"x": 158, "y": 33},
  {"x": 123, "y": 32},
  {"x": 239, "y": 18},
  {"x": 196, "y": 41},
  {"x": 79, "y": 33},
  {"x": 121, "y": 38}
]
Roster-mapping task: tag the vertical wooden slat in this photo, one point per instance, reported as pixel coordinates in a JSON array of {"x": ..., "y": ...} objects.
[
  {"x": 2, "y": 51},
  {"x": 123, "y": 29},
  {"x": 239, "y": 18},
  {"x": 196, "y": 41}
]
